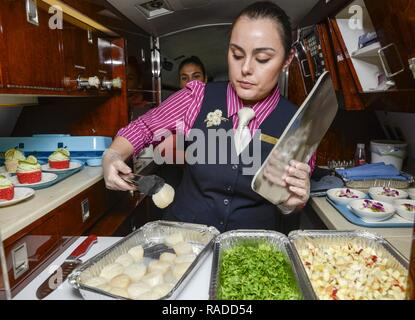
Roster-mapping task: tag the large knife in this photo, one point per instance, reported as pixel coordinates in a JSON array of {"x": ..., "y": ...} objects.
[{"x": 65, "y": 269}]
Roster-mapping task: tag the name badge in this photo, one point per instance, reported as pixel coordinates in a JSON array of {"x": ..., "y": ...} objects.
[{"x": 268, "y": 139}]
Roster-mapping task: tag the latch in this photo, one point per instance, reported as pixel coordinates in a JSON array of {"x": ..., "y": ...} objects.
[
  {"x": 412, "y": 65},
  {"x": 31, "y": 12},
  {"x": 85, "y": 209},
  {"x": 20, "y": 260}
]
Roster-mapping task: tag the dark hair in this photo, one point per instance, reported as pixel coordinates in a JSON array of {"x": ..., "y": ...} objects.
[
  {"x": 193, "y": 60},
  {"x": 266, "y": 9}
]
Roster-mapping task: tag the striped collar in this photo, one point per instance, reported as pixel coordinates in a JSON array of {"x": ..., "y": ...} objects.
[{"x": 262, "y": 108}]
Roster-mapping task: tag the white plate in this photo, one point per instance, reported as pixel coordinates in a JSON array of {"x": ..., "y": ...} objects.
[
  {"x": 20, "y": 194},
  {"x": 356, "y": 207},
  {"x": 46, "y": 178},
  {"x": 375, "y": 194},
  {"x": 332, "y": 194},
  {"x": 72, "y": 166},
  {"x": 400, "y": 209}
]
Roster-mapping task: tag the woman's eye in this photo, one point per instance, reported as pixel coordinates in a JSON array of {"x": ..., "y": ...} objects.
[
  {"x": 236, "y": 57},
  {"x": 262, "y": 60}
]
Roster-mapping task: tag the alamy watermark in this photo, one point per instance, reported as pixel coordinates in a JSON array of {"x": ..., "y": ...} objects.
[
  {"x": 356, "y": 20},
  {"x": 56, "y": 20},
  {"x": 215, "y": 147}
]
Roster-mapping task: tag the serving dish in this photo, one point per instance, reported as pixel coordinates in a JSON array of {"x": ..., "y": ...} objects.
[
  {"x": 152, "y": 237},
  {"x": 254, "y": 238}
]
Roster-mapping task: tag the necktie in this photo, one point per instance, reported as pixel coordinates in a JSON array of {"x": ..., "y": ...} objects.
[{"x": 242, "y": 134}]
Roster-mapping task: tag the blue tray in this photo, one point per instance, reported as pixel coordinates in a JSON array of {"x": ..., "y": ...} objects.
[
  {"x": 82, "y": 148},
  {"x": 394, "y": 222},
  {"x": 61, "y": 176}
]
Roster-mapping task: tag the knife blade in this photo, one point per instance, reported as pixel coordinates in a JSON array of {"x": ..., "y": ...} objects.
[{"x": 65, "y": 269}]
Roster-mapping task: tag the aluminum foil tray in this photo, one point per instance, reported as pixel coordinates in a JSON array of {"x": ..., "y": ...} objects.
[
  {"x": 278, "y": 240},
  {"x": 324, "y": 238},
  {"x": 151, "y": 236}
]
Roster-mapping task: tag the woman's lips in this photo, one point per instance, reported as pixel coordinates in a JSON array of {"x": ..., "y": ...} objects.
[{"x": 245, "y": 84}]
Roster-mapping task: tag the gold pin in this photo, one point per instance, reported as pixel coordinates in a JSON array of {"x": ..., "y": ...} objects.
[{"x": 268, "y": 139}]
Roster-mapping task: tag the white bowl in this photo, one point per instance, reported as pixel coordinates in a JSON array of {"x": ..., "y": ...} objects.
[
  {"x": 333, "y": 195},
  {"x": 411, "y": 193},
  {"x": 356, "y": 206},
  {"x": 375, "y": 193},
  {"x": 402, "y": 211}
]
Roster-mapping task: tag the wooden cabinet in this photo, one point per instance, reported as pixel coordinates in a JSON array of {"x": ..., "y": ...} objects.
[
  {"x": 80, "y": 51},
  {"x": 104, "y": 59},
  {"x": 82, "y": 211},
  {"x": 379, "y": 63},
  {"x": 37, "y": 59},
  {"x": 29, "y": 250},
  {"x": 31, "y": 57},
  {"x": 394, "y": 22}
]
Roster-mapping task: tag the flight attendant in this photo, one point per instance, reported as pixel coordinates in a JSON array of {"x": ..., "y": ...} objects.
[{"x": 220, "y": 194}]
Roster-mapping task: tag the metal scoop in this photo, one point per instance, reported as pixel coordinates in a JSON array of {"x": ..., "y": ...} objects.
[{"x": 147, "y": 185}]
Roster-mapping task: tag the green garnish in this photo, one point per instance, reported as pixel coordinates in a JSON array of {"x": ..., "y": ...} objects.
[
  {"x": 29, "y": 160},
  {"x": 256, "y": 271}
]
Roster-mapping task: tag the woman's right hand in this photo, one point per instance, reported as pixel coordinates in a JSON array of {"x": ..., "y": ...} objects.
[{"x": 113, "y": 166}]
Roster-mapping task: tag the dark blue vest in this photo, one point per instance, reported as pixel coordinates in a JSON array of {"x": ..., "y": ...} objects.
[{"x": 220, "y": 195}]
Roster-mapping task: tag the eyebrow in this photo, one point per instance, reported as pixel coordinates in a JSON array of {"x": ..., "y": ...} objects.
[
  {"x": 255, "y": 50},
  {"x": 192, "y": 73}
]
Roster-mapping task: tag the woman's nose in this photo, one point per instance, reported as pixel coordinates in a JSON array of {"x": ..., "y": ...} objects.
[{"x": 247, "y": 67}]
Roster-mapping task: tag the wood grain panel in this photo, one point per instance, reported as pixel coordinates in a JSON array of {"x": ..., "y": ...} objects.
[
  {"x": 394, "y": 21},
  {"x": 32, "y": 53},
  {"x": 41, "y": 238},
  {"x": 341, "y": 46},
  {"x": 297, "y": 92},
  {"x": 351, "y": 99},
  {"x": 328, "y": 53}
]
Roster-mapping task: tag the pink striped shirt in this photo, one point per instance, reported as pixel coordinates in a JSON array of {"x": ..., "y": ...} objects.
[{"x": 180, "y": 110}]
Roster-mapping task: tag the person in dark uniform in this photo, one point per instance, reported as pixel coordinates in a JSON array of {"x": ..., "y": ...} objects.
[{"x": 219, "y": 193}]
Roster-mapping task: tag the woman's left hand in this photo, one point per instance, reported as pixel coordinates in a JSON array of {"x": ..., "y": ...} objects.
[{"x": 296, "y": 176}]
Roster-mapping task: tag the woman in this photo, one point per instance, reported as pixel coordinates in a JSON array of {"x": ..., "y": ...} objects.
[
  {"x": 220, "y": 194},
  {"x": 191, "y": 69}
]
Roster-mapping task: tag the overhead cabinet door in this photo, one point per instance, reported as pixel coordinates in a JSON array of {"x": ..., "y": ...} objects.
[
  {"x": 394, "y": 21},
  {"x": 32, "y": 55}
]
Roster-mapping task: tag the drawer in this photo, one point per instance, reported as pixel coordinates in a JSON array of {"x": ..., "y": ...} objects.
[
  {"x": 29, "y": 250},
  {"x": 82, "y": 211}
]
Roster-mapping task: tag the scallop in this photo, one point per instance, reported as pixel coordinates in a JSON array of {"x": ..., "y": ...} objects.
[
  {"x": 125, "y": 259},
  {"x": 135, "y": 271},
  {"x": 120, "y": 281},
  {"x": 183, "y": 248},
  {"x": 137, "y": 289},
  {"x": 153, "y": 279},
  {"x": 167, "y": 257},
  {"x": 112, "y": 270},
  {"x": 137, "y": 253}
]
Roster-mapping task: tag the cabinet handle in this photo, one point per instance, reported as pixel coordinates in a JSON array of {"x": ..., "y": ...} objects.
[
  {"x": 31, "y": 12},
  {"x": 384, "y": 62},
  {"x": 303, "y": 68}
]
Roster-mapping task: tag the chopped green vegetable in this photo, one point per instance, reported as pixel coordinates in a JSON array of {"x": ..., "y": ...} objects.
[{"x": 256, "y": 271}]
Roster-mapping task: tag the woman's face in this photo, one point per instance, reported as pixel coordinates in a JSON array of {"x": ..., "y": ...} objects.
[
  {"x": 190, "y": 72},
  {"x": 256, "y": 57}
]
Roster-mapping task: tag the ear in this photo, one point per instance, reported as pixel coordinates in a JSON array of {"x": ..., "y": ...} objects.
[{"x": 289, "y": 59}]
